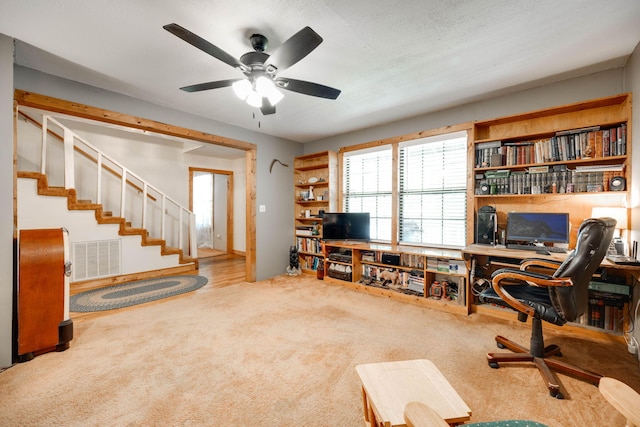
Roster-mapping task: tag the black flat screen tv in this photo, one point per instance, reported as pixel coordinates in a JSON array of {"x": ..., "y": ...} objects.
[
  {"x": 346, "y": 226},
  {"x": 535, "y": 227}
]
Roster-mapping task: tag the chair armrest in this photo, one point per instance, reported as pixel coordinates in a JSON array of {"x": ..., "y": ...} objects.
[
  {"x": 417, "y": 414},
  {"x": 503, "y": 278},
  {"x": 622, "y": 397},
  {"x": 538, "y": 262}
]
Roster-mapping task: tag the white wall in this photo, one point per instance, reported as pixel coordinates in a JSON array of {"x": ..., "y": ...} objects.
[
  {"x": 82, "y": 227},
  {"x": 239, "y": 191},
  {"x": 220, "y": 184},
  {"x": 7, "y": 261}
]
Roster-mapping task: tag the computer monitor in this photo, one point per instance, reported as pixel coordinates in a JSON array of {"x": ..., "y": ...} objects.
[{"x": 536, "y": 227}]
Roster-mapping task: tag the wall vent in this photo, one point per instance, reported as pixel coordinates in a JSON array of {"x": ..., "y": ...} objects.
[{"x": 96, "y": 259}]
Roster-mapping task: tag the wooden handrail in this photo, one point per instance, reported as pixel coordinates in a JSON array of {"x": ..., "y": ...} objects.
[{"x": 82, "y": 152}]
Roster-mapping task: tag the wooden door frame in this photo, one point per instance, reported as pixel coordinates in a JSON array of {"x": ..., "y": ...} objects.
[
  {"x": 43, "y": 102},
  {"x": 229, "y": 175}
]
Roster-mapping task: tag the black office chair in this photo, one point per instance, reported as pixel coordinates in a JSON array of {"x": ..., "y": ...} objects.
[{"x": 558, "y": 298}]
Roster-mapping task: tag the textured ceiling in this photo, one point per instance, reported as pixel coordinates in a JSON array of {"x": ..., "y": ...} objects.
[{"x": 392, "y": 59}]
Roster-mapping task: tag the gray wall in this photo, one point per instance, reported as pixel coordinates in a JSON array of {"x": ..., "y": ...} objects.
[
  {"x": 632, "y": 83},
  {"x": 6, "y": 199},
  {"x": 592, "y": 86}
]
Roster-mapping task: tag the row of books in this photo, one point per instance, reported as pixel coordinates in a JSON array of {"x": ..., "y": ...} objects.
[
  {"x": 606, "y": 311},
  {"x": 569, "y": 181},
  {"x": 305, "y": 244},
  {"x": 310, "y": 262},
  {"x": 406, "y": 260},
  {"x": 567, "y": 145}
]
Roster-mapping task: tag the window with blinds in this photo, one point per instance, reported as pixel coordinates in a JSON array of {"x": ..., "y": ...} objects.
[
  {"x": 367, "y": 187},
  {"x": 432, "y": 193}
]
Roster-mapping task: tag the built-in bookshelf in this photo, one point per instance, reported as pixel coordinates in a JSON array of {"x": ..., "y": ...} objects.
[
  {"x": 569, "y": 158},
  {"x": 571, "y": 161},
  {"x": 565, "y": 159},
  {"x": 424, "y": 276},
  {"x": 315, "y": 190}
]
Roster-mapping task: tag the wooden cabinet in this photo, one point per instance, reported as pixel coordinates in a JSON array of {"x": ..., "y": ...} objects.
[
  {"x": 315, "y": 190},
  {"x": 43, "y": 321},
  {"x": 424, "y": 276},
  {"x": 559, "y": 159}
]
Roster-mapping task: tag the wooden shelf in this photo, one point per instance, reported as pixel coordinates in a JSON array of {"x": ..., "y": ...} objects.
[
  {"x": 412, "y": 259},
  {"x": 322, "y": 169},
  {"x": 525, "y": 128}
]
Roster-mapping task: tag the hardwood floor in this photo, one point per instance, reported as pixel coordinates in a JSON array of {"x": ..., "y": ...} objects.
[
  {"x": 221, "y": 271},
  {"x": 206, "y": 253}
]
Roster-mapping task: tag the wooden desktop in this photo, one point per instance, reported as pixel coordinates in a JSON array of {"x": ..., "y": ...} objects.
[{"x": 498, "y": 256}]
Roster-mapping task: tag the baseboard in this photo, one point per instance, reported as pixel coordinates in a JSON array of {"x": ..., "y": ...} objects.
[{"x": 76, "y": 287}]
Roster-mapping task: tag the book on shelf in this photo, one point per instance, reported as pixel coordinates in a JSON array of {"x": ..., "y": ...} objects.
[
  {"x": 306, "y": 244},
  {"x": 575, "y": 144}
]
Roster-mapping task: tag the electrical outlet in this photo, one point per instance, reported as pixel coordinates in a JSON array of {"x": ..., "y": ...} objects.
[{"x": 263, "y": 208}]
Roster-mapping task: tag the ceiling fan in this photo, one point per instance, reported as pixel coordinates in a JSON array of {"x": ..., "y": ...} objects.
[{"x": 261, "y": 81}]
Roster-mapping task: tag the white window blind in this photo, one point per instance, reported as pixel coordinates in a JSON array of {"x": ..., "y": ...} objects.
[
  {"x": 367, "y": 187},
  {"x": 433, "y": 179}
]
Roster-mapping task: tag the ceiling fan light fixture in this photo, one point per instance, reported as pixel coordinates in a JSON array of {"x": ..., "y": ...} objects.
[
  {"x": 266, "y": 88},
  {"x": 254, "y": 99},
  {"x": 242, "y": 88},
  {"x": 274, "y": 97}
]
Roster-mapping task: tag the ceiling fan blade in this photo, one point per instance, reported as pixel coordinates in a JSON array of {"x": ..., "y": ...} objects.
[
  {"x": 294, "y": 49},
  {"x": 203, "y": 45},
  {"x": 209, "y": 85},
  {"x": 267, "y": 108},
  {"x": 308, "y": 88}
]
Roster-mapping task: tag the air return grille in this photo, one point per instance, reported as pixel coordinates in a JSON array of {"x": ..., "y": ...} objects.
[{"x": 96, "y": 259}]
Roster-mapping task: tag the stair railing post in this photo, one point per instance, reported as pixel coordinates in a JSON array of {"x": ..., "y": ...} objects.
[
  {"x": 145, "y": 190},
  {"x": 69, "y": 167},
  {"x": 43, "y": 153},
  {"x": 180, "y": 244},
  {"x": 99, "y": 180},
  {"x": 124, "y": 190},
  {"x": 164, "y": 217},
  {"x": 193, "y": 246}
]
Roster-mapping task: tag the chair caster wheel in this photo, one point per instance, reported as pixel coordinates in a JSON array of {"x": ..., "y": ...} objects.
[
  {"x": 500, "y": 345},
  {"x": 494, "y": 365},
  {"x": 556, "y": 394}
]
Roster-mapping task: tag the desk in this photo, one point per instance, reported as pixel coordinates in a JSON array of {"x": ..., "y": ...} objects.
[
  {"x": 478, "y": 254},
  {"x": 387, "y": 387}
]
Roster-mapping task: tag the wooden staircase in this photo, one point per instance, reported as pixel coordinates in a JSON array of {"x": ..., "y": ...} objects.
[{"x": 103, "y": 217}]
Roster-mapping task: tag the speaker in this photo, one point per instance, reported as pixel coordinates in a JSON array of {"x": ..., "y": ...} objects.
[
  {"x": 390, "y": 259},
  {"x": 485, "y": 188},
  {"x": 617, "y": 183},
  {"x": 486, "y": 224}
]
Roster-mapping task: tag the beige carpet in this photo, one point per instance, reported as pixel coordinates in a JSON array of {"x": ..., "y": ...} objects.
[{"x": 282, "y": 353}]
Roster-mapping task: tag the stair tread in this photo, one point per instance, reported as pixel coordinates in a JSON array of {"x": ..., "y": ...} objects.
[{"x": 104, "y": 217}]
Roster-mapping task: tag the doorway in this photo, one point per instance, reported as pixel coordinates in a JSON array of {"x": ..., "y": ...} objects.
[{"x": 211, "y": 200}]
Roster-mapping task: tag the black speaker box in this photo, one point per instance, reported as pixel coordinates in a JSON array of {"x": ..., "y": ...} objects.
[
  {"x": 390, "y": 259},
  {"x": 617, "y": 183},
  {"x": 486, "y": 225}
]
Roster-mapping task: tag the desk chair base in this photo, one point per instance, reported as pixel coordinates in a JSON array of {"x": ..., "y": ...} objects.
[{"x": 540, "y": 356}]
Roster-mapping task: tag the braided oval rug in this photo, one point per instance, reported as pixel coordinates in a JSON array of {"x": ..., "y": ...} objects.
[{"x": 133, "y": 293}]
